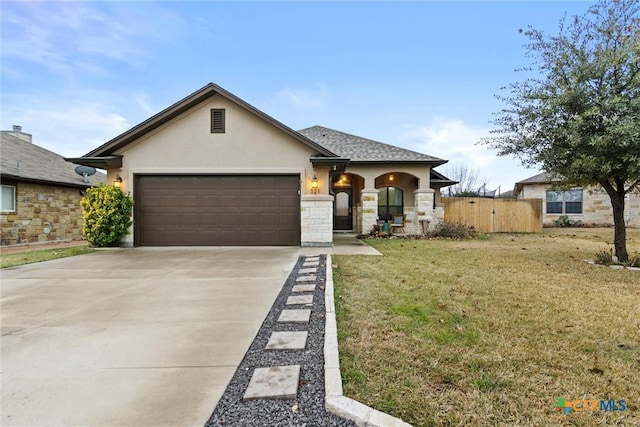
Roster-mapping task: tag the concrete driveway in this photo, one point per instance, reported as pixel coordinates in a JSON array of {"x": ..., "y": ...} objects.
[{"x": 132, "y": 336}]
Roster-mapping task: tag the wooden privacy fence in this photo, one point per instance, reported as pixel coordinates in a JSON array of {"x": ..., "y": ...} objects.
[{"x": 495, "y": 215}]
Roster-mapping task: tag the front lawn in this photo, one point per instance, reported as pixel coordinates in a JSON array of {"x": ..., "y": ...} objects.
[
  {"x": 492, "y": 331},
  {"x": 12, "y": 259}
]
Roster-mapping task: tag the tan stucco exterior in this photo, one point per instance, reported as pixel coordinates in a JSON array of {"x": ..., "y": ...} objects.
[
  {"x": 596, "y": 206},
  {"x": 250, "y": 145},
  {"x": 186, "y": 145},
  {"x": 179, "y": 141}
]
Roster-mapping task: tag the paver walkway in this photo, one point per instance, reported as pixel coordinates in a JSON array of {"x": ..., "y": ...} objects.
[{"x": 282, "y": 381}]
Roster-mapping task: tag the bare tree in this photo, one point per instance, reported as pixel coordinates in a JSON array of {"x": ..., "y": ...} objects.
[{"x": 469, "y": 180}]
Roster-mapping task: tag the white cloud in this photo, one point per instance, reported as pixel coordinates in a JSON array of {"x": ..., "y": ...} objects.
[
  {"x": 306, "y": 99},
  {"x": 143, "y": 102},
  {"x": 69, "y": 128},
  {"x": 65, "y": 37},
  {"x": 456, "y": 141}
]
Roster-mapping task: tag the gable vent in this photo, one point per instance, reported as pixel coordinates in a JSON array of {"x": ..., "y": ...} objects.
[{"x": 217, "y": 120}]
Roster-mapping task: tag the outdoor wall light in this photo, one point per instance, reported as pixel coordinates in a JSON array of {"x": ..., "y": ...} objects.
[
  {"x": 117, "y": 182},
  {"x": 391, "y": 177},
  {"x": 314, "y": 185}
]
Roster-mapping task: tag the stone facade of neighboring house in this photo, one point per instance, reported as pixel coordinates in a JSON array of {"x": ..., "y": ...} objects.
[
  {"x": 40, "y": 193},
  {"x": 212, "y": 170},
  {"x": 589, "y": 205}
]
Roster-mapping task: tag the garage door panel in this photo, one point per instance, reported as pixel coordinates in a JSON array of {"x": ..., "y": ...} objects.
[
  {"x": 209, "y": 220},
  {"x": 217, "y": 210},
  {"x": 248, "y": 220},
  {"x": 190, "y": 219},
  {"x": 228, "y": 219},
  {"x": 269, "y": 219},
  {"x": 285, "y": 202}
]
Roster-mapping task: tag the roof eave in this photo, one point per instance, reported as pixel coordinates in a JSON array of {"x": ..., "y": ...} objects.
[
  {"x": 434, "y": 163},
  {"x": 17, "y": 178},
  {"x": 104, "y": 162},
  {"x": 334, "y": 163}
]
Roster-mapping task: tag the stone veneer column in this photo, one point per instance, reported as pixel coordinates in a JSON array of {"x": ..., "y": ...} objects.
[
  {"x": 424, "y": 207},
  {"x": 316, "y": 217},
  {"x": 369, "y": 217}
]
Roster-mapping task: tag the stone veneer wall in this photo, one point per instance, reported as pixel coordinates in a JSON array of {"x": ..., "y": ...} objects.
[
  {"x": 596, "y": 206},
  {"x": 316, "y": 215},
  {"x": 424, "y": 206},
  {"x": 44, "y": 213},
  {"x": 369, "y": 202}
]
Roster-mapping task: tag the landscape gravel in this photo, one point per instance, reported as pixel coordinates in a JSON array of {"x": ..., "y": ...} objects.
[{"x": 308, "y": 408}]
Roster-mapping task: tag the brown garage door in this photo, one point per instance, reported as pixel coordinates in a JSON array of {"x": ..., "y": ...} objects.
[{"x": 215, "y": 210}]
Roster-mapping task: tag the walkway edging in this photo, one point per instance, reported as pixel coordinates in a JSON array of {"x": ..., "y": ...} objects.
[{"x": 335, "y": 401}]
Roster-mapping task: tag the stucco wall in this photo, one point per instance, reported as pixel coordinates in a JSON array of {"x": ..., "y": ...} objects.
[
  {"x": 43, "y": 213},
  {"x": 596, "y": 206},
  {"x": 249, "y": 145}
]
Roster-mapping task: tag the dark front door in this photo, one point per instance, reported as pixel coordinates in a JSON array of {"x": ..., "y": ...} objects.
[{"x": 342, "y": 219}]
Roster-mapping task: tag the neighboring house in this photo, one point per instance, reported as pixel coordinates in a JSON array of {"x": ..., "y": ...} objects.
[
  {"x": 507, "y": 195},
  {"x": 213, "y": 170},
  {"x": 40, "y": 192},
  {"x": 589, "y": 205}
]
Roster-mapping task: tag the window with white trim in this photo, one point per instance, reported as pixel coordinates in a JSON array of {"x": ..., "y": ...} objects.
[
  {"x": 8, "y": 198},
  {"x": 564, "y": 202}
]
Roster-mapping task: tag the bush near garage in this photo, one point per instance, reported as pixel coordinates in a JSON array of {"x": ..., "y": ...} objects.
[{"x": 106, "y": 211}]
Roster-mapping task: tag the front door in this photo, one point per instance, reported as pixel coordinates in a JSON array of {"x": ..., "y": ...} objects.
[{"x": 342, "y": 219}]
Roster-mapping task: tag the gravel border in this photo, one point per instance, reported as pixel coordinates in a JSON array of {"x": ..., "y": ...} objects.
[{"x": 309, "y": 407}]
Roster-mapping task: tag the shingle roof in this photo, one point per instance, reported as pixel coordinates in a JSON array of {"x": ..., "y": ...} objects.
[
  {"x": 541, "y": 178},
  {"x": 23, "y": 160},
  {"x": 360, "y": 149}
]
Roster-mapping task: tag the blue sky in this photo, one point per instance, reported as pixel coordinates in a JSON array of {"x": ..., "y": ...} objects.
[{"x": 420, "y": 75}]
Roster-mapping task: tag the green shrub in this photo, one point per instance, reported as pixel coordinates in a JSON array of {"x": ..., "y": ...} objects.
[
  {"x": 604, "y": 257},
  {"x": 565, "y": 222},
  {"x": 106, "y": 211},
  {"x": 607, "y": 258},
  {"x": 452, "y": 230}
]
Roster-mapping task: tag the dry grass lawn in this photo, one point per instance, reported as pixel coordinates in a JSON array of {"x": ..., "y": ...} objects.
[
  {"x": 491, "y": 331},
  {"x": 13, "y": 259}
]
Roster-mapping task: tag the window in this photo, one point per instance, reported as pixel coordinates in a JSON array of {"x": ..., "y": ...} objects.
[
  {"x": 564, "y": 202},
  {"x": 217, "y": 120},
  {"x": 389, "y": 202},
  {"x": 8, "y": 198}
]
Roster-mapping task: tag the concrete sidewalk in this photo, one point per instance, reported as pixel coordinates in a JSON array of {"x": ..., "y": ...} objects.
[
  {"x": 146, "y": 337},
  {"x": 343, "y": 244}
]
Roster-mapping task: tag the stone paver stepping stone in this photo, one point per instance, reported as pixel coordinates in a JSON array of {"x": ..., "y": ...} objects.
[
  {"x": 279, "y": 382},
  {"x": 303, "y": 288},
  {"x": 307, "y": 270},
  {"x": 295, "y": 316},
  {"x": 310, "y": 264},
  {"x": 311, "y": 278},
  {"x": 312, "y": 258},
  {"x": 287, "y": 340},
  {"x": 299, "y": 299}
]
